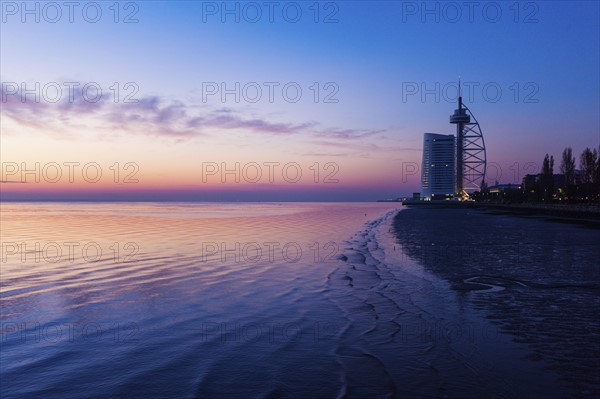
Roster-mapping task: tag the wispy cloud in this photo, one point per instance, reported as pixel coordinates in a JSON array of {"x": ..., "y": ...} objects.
[{"x": 158, "y": 116}]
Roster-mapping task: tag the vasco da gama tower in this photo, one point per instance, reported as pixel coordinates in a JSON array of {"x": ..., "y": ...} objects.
[{"x": 452, "y": 166}]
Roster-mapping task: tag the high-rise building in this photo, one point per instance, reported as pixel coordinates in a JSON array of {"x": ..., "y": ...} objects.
[
  {"x": 453, "y": 166},
  {"x": 438, "y": 167}
]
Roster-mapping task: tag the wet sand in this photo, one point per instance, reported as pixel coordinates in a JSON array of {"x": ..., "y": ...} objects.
[{"x": 539, "y": 282}]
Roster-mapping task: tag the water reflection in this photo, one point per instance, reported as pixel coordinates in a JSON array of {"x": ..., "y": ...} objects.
[{"x": 171, "y": 300}]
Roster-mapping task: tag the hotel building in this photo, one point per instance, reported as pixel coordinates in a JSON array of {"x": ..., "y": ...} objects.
[{"x": 438, "y": 167}]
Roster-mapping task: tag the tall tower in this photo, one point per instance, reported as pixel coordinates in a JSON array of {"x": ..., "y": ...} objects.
[{"x": 470, "y": 150}]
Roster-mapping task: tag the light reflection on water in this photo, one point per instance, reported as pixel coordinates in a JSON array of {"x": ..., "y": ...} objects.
[
  {"x": 174, "y": 299},
  {"x": 242, "y": 300}
]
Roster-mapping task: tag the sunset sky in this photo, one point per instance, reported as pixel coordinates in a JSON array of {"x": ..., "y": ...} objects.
[{"x": 363, "y": 59}]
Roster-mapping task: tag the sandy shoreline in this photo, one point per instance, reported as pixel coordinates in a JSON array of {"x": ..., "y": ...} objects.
[
  {"x": 583, "y": 215},
  {"x": 545, "y": 279}
]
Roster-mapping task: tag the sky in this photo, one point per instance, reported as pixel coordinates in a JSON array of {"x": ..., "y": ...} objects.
[{"x": 283, "y": 100}]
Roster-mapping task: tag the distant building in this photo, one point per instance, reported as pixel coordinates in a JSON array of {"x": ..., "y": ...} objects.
[
  {"x": 530, "y": 182},
  {"x": 438, "y": 170},
  {"x": 503, "y": 188}
]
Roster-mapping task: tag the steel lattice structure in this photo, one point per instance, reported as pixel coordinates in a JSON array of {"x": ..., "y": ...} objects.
[
  {"x": 474, "y": 155},
  {"x": 470, "y": 151}
]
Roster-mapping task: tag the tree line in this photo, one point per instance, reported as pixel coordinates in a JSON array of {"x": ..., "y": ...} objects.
[{"x": 571, "y": 185}]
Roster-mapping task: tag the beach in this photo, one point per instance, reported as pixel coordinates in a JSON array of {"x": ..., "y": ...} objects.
[
  {"x": 294, "y": 300},
  {"x": 538, "y": 281}
]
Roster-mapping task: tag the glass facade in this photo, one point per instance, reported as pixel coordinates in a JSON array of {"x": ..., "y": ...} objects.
[{"x": 438, "y": 167}]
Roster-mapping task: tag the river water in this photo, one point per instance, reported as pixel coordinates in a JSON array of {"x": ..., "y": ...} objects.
[{"x": 294, "y": 300}]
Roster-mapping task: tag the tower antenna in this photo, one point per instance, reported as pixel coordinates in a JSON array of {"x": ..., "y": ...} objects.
[{"x": 459, "y": 95}]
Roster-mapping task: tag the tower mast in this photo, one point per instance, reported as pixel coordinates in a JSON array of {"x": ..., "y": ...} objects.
[{"x": 460, "y": 118}]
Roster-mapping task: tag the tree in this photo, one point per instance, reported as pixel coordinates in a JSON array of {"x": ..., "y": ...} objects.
[
  {"x": 596, "y": 176},
  {"x": 548, "y": 166},
  {"x": 547, "y": 177},
  {"x": 587, "y": 162},
  {"x": 567, "y": 166}
]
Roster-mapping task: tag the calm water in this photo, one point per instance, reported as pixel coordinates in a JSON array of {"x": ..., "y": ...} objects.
[{"x": 284, "y": 300}]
